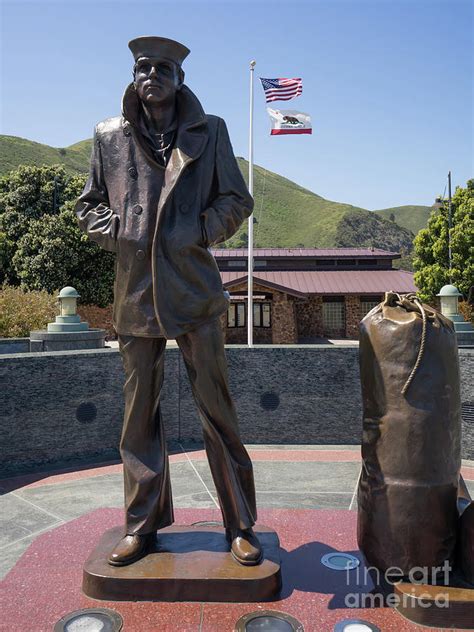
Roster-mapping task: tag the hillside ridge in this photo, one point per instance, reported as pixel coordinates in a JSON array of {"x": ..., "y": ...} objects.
[
  {"x": 414, "y": 217},
  {"x": 287, "y": 214}
]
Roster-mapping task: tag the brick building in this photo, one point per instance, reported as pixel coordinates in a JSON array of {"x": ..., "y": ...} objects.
[{"x": 301, "y": 294}]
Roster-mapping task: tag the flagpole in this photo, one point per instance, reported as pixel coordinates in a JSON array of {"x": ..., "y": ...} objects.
[
  {"x": 250, "y": 228},
  {"x": 449, "y": 225}
]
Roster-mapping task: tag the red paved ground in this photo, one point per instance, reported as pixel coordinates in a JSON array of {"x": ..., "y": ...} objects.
[{"x": 45, "y": 584}]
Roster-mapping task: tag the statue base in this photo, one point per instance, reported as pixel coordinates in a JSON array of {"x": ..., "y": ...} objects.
[
  {"x": 437, "y": 606},
  {"x": 188, "y": 563}
]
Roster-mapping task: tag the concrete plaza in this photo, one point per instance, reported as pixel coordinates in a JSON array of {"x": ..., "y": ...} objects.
[{"x": 51, "y": 520}]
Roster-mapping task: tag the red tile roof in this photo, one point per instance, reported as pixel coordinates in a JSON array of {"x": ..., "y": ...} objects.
[
  {"x": 304, "y": 252},
  {"x": 303, "y": 283}
]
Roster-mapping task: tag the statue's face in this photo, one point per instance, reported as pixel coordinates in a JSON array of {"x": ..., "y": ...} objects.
[{"x": 156, "y": 81}]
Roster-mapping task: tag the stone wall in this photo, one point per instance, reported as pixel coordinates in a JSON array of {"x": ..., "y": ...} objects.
[
  {"x": 233, "y": 335},
  {"x": 261, "y": 336},
  {"x": 238, "y": 335},
  {"x": 309, "y": 317},
  {"x": 14, "y": 345},
  {"x": 352, "y": 316},
  {"x": 66, "y": 408},
  {"x": 294, "y": 319},
  {"x": 284, "y": 330}
]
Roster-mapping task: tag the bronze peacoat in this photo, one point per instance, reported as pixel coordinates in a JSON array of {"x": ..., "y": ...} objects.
[{"x": 162, "y": 221}]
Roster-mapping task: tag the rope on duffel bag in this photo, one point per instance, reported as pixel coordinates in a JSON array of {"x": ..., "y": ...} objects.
[
  {"x": 407, "y": 301},
  {"x": 418, "y": 303}
]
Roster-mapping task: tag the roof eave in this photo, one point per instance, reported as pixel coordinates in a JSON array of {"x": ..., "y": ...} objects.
[{"x": 269, "y": 284}]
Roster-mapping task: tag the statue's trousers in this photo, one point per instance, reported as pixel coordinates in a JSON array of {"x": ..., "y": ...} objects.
[{"x": 148, "y": 499}]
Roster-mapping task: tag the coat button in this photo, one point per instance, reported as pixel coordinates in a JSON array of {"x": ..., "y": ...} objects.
[
  {"x": 184, "y": 208},
  {"x": 137, "y": 209},
  {"x": 140, "y": 255},
  {"x": 132, "y": 172}
]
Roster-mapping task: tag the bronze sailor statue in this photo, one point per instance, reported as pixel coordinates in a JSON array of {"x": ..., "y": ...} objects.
[{"x": 164, "y": 186}]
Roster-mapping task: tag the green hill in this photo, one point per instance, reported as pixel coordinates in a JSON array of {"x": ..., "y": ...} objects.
[
  {"x": 16, "y": 151},
  {"x": 287, "y": 215},
  {"x": 369, "y": 229},
  {"x": 412, "y": 217}
]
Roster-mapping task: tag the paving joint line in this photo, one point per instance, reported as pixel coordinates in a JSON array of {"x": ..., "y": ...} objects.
[
  {"x": 355, "y": 490},
  {"x": 34, "y": 533},
  {"x": 199, "y": 476},
  {"x": 49, "y": 513}
]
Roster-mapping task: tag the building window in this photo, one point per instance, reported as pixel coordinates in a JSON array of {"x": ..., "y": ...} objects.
[
  {"x": 262, "y": 315},
  {"x": 334, "y": 317},
  {"x": 367, "y": 303},
  {"x": 236, "y": 315}
]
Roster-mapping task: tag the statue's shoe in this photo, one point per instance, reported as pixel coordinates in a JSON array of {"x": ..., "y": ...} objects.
[
  {"x": 244, "y": 546},
  {"x": 131, "y": 548}
]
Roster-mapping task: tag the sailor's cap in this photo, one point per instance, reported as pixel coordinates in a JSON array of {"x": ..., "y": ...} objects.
[{"x": 158, "y": 47}]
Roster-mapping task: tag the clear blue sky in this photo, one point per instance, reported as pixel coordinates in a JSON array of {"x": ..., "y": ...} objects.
[{"x": 388, "y": 82}]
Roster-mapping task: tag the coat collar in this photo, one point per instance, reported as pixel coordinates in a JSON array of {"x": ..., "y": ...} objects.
[{"x": 192, "y": 133}]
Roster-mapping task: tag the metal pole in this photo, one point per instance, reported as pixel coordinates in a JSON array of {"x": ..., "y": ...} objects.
[
  {"x": 250, "y": 228},
  {"x": 449, "y": 225}
]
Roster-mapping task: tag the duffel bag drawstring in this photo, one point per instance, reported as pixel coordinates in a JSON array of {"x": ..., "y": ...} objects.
[{"x": 404, "y": 301}]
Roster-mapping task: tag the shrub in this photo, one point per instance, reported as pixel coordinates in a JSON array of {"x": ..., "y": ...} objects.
[
  {"x": 98, "y": 318},
  {"x": 22, "y": 312},
  {"x": 54, "y": 252},
  {"x": 41, "y": 245},
  {"x": 467, "y": 310}
]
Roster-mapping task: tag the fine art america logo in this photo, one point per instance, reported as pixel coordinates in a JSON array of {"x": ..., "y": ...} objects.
[{"x": 436, "y": 575}]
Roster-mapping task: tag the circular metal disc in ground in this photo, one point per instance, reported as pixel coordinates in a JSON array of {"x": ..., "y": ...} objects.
[
  {"x": 90, "y": 620},
  {"x": 355, "y": 625},
  {"x": 268, "y": 621},
  {"x": 340, "y": 561}
]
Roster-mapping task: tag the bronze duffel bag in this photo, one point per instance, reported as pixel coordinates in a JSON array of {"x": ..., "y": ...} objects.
[{"x": 411, "y": 444}]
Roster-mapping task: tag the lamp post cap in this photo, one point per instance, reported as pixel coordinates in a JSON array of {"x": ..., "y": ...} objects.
[
  {"x": 68, "y": 292},
  {"x": 449, "y": 290}
]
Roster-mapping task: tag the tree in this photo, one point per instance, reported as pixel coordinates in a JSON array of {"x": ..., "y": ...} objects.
[
  {"x": 41, "y": 245},
  {"x": 431, "y": 261},
  {"x": 7, "y": 248},
  {"x": 54, "y": 253},
  {"x": 28, "y": 193}
]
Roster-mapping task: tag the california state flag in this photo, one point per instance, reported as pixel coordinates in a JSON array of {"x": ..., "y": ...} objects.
[{"x": 289, "y": 122}]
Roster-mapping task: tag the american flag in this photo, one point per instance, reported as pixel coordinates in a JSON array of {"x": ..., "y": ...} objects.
[{"x": 281, "y": 89}]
